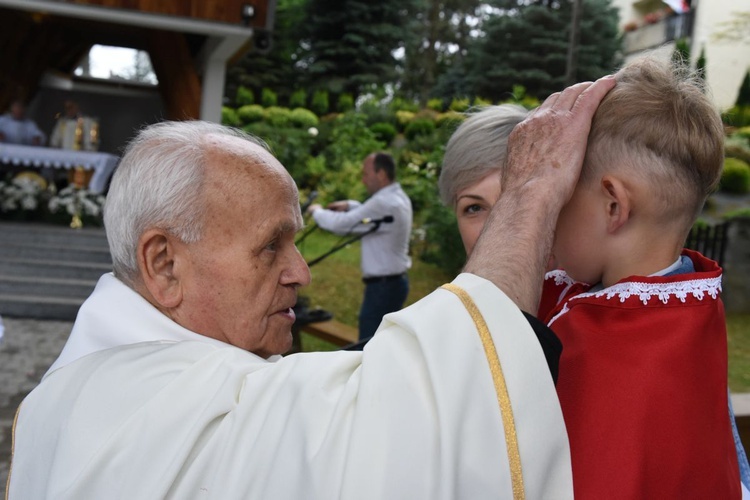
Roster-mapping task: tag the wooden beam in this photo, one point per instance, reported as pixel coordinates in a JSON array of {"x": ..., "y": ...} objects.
[{"x": 179, "y": 83}]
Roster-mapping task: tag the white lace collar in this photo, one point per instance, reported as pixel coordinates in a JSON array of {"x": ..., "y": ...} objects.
[{"x": 663, "y": 291}]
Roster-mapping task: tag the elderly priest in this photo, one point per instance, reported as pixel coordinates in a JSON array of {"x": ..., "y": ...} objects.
[{"x": 171, "y": 384}]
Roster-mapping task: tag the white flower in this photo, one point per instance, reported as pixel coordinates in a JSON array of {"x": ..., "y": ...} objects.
[
  {"x": 28, "y": 203},
  {"x": 312, "y": 131}
]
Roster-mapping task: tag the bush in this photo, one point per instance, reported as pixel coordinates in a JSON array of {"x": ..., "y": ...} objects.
[
  {"x": 401, "y": 104},
  {"x": 277, "y": 117},
  {"x": 229, "y": 117},
  {"x": 303, "y": 118},
  {"x": 450, "y": 120},
  {"x": 298, "y": 99},
  {"x": 743, "y": 133},
  {"x": 740, "y": 213},
  {"x": 403, "y": 118},
  {"x": 737, "y": 116},
  {"x": 735, "y": 178},
  {"x": 268, "y": 98},
  {"x": 319, "y": 104},
  {"x": 244, "y": 96},
  {"x": 435, "y": 104},
  {"x": 481, "y": 103},
  {"x": 345, "y": 103},
  {"x": 419, "y": 126},
  {"x": 291, "y": 146},
  {"x": 460, "y": 105},
  {"x": 250, "y": 114},
  {"x": 736, "y": 149},
  {"x": 446, "y": 249},
  {"x": 383, "y": 131}
]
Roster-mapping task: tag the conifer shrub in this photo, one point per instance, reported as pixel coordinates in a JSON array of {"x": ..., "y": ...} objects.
[
  {"x": 401, "y": 104},
  {"x": 345, "y": 103},
  {"x": 737, "y": 116},
  {"x": 460, "y": 105},
  {"x": 319, "y": 104},
  {"x": 244, "y": 96},
  {"x": 735, "y": 178},
  {"x": 435, "y": 104},
  {"x": 449, "y": 120},
  {"x": 737, "y": 149},
  {"x": 268, "y": 98},
  {"x": 418, "y": 127},
  {"x": 250, "y": 113},
  {"x": 479, "y": 102},
  {"x": 384, "y": 132},
  {"x": 298, "y": 99},
  {"x": 229, "y": 117},
  {"x": 403, "y": 118},
  {"x": 303, "y": 118},
  {"x": 277, "y": 116}
]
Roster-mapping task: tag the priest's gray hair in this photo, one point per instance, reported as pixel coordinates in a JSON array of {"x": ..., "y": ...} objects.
[
  {"x": 159, "y": 184},
  {"x": 476, "y": 148}
]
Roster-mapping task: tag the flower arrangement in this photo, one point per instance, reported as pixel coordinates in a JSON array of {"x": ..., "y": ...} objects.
[
  {"x": 76, "y": 202},
  {"x": 20, "y": 194}
]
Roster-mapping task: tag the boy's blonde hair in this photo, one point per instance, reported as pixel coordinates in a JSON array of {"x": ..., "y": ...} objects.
[{"x": 659, "y": 124}]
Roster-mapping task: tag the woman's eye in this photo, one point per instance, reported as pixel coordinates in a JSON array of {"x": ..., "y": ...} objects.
[{"x": 472, "y": 209}]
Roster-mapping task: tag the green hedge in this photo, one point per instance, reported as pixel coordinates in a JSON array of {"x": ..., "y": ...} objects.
[{"x": 735, "y": 178}]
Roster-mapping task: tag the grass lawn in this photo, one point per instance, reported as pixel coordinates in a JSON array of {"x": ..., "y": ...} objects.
[{"x": 337, "y": 287}]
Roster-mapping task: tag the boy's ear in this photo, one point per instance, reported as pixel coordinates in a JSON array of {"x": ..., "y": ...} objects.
[
  {"x": 618, "y": 202},
  {"x": 156, "y": 262}
]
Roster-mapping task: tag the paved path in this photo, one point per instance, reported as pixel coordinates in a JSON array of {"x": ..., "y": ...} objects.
[{"x": 27, "y": 350}]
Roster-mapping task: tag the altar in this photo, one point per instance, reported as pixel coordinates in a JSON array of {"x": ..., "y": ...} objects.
[{"x": 103, "y": 164}]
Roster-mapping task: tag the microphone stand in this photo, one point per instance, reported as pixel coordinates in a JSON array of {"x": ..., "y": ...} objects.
[
  {"x": 306, "y": 234},
  {"x": 343, "y": 244},
  {"x": 303, "y": 308}
]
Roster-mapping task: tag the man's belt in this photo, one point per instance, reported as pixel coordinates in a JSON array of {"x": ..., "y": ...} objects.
[{"x": 383, "y": 279}]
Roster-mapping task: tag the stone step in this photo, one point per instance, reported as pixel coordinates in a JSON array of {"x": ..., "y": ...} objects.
[
  {"x": 53, "y": 268},
  {"x": 57, "y": 252},
  {"x": 39, "y": 307},
  {"x": 24, "y": 233},
  {"x": 49, "y": 287}
]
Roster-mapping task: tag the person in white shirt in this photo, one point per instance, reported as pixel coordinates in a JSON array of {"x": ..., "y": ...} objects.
[
  {"x": 15, "y": 128},
  {"x": 171, "y": 384},
  {"x": 385, "y": 247}
]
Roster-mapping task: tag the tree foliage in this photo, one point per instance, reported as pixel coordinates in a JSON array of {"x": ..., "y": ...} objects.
[
  {"x": 349, "y": 44},
  {"x": 276, "y": 69},
  {"x": 427, "y": 48},
  {"x": 442, "y": 31},
  {"x": 525, "y": 43}
]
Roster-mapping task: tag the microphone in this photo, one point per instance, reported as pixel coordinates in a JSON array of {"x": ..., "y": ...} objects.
[
  {"x": 387, "y": 219},
  {"x": 311, "y": 197}
]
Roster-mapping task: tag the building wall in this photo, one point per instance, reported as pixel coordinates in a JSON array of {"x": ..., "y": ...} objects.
[{"x": 726, "y": 63}]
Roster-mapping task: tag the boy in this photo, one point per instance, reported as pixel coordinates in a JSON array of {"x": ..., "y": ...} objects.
[{"x": 643, "y": 372}]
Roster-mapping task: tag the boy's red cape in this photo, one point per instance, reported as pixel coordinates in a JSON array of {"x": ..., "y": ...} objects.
[{"x": 643, "y": 385}]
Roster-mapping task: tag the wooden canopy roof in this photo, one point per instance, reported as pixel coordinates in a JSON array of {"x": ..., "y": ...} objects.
[{"x": 189, "y": 43}]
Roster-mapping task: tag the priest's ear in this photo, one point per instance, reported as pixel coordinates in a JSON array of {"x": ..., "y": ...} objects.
[
  {"x": 157, "y": 253},
  {"x": 618, "y": 202}
]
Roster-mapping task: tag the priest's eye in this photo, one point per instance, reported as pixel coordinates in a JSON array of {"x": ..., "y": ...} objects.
[{"x": 273, "y": 245}]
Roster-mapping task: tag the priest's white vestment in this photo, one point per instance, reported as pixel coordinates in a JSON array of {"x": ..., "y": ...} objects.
[{"x": 452, "y": 398}]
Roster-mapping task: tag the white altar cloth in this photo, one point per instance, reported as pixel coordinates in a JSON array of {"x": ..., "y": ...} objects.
[{"x": 103, "y": 164}]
